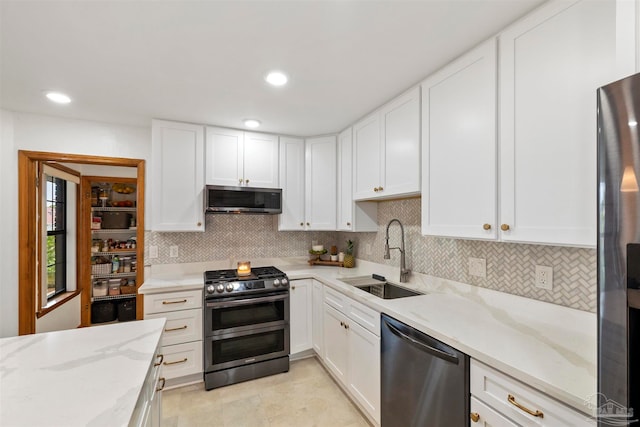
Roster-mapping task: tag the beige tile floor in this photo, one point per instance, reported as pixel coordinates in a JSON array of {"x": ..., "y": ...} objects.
[{"x": 304, "y": 396}]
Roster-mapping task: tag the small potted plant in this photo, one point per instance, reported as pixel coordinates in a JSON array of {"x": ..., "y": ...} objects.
[{"x": 349, "y": 260}]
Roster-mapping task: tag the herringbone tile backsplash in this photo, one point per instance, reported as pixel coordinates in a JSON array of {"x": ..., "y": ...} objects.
[{"x": 510, "y": 266}]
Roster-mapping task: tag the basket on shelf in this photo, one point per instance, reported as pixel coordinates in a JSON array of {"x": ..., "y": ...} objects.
[
  {"x": 127, "y": 289},
  {"x": 101, "y": 268}
]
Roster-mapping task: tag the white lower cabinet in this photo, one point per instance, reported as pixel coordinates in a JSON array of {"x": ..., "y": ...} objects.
[
  {"x": 503, "y": 401},
  {"x": 317, "y": 315},
  {"x": 352, "y": 349},
  {"x": 148, "y": 409},
  {"x": 485, "y": 416},
  {"x": 182, "y": 337},
  {"x": 300, "y": 317}
]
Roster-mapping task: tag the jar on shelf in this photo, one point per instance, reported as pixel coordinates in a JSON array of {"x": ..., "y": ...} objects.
[
  {"x": 115, "y": 264},
  {"x": 126, "y": 264}
]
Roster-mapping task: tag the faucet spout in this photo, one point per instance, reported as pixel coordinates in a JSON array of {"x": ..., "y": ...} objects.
[{"x": 404, "y": 272}]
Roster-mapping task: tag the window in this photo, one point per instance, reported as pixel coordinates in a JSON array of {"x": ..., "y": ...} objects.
[{"x": 56, "y": 216}]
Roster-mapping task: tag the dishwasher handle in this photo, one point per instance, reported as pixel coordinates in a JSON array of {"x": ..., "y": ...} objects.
[{"x": 452, "y": 358}]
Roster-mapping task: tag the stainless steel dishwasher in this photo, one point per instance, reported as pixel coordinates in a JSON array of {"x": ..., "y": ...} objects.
[{"x": 425, "y": 383}]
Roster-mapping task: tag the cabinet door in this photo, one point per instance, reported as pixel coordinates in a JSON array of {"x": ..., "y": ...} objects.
[
  {"x": 292, "y": 181},
  {"x": 300, "y": 315},
  {"x": 224, "y": 156},
  {"x": 317, "y": 304},
  {"x": 548, "y": 117},
  {"x": 177, "y": 171},
  {"x": 367, "y": 163},
  {"x": 364, "y": 368},
  {"x": 335, "y": 342},
  {"x": 352, "y": 216},
  {"x": 459, "y": 147},
  {"x": 400, "y": 166},
  {"x": 260, "y": 160},
  {"x": 320, "y": 183}
]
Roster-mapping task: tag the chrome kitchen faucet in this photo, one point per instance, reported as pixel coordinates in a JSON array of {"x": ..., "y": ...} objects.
[{"x": 404, "y": 273}]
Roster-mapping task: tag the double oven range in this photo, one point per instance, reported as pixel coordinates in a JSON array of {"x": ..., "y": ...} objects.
[{"x": 246, "y": 325}]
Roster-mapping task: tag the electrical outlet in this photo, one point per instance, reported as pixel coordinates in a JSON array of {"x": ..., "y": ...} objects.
[
  {"x": 544, "y": 277},
  {"x": 153, "y": 252},
  {"x": 478, "y": 267},
  {"x": 173, "y": 251},
  {"x": 367, "y": 249}
]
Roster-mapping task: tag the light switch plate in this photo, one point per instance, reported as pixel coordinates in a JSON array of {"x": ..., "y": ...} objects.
[
  {"x": 153, "y": 252},
  {"x": 478, "y": 267}
]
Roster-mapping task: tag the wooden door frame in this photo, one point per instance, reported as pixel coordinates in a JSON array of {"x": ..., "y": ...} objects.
[{"x": 27, "y": 233}]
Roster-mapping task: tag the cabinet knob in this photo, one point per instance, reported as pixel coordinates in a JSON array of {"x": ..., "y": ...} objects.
[
  {"x": 487, "y": 226},
  {"x": 240, "y": 181},
  {"x": 380, "y": 188},
  {"x": 504, "y": 227},
  {"x": 308, "y": 224},
  {"x": 246, "y": 181},
  {"x": 475, "y": 417},
  {"x": 302, "y": 224},
  {"x": 348, "y": 224},
  {"x": 199, "y": 224},
  {"x": 341, "y": 323},
  {"x": 375, "y": 189}
]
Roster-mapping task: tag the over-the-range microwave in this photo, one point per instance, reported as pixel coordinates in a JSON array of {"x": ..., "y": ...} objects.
[{"x": 253, "y": 200}]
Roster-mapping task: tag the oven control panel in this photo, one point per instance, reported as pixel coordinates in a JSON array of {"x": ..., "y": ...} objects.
[{"x": 245, "y": 286}]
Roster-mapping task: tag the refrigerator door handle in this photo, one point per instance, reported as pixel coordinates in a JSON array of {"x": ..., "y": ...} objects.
[{"x": 422, "y": 346}]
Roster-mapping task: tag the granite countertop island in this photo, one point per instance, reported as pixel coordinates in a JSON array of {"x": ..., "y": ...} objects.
[
  {"x": 547, "y": 346},
  {"x": 78, "y": 377}
]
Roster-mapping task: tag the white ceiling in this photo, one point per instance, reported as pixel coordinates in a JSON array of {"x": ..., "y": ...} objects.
[{"x": 204, "y": 61}]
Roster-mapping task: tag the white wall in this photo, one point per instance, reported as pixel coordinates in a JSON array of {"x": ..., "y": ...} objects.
[
  {"x": 22, "y": 131},
  {"x": 64, "y": 317}
]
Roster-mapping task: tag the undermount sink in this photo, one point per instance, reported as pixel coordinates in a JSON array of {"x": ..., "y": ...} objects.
[{"x": 381, "y": 288}]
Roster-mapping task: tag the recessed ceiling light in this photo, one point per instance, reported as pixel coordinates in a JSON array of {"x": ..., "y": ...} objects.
[
  {"x": 252, "y": 123},
  {"x": 58, "y": 97},
  {"x": 276, "y": 78}
]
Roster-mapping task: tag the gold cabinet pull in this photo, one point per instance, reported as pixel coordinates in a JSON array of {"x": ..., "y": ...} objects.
[
  {"x": 375, "y": 189},
  {"x": 348, "y": 224},
  {"x": 240, "y": 180},
  {"x": 246, "y": 181},
  {"x": 536, "y": 413},
  {"x": 176, "y": 362},
  {"x": 293, "y": 287},
  {"x": 163, "y": 379},
  {"x": 175, "y": 302},
  {"x": 504, "y": 227},
  {"x": 475, "y": 417},
  {"x": 176, "y": 329},
  {"x": 199, "y": 224},
  {"x": 487, "y": 226},
  {"x": 342, "y": 323},
  {"x": 380, "y": 188},
  {"x": 161, "y": 357}
]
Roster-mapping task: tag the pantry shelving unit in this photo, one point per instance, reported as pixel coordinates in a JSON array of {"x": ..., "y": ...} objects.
[{"x": 112, "y": 202}]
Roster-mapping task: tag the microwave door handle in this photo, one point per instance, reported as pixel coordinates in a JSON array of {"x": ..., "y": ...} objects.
[{"x": 246, "y": 301}]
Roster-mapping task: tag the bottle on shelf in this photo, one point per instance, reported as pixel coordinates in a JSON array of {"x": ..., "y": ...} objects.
[{"x": 115, "y": 264}]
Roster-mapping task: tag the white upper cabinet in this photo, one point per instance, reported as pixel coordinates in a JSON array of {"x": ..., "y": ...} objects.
[
  {"x": 320, "y": 183},
  {"x": 177, "y": 173},
  {"x": 551, "y": 63},
  {"x": 292, "y": 181},
  {"x": 367, "y": 155},
  {"x": 400, "y": 120},
  {"x": 459, "y": 147},
  {"x": 352, "y": 216},
  {"x": 387, "y": 150},
  {"x": 260, "y": 160},
  {"x": 236, "y": 158}
]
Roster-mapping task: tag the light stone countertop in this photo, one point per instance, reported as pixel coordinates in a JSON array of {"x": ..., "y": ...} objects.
[
  {"x": 77, "y": 377},
  {"x": 547, "y": 346}
]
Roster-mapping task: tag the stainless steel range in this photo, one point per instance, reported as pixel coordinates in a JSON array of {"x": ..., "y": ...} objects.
[{"x": 246, "y": 325}]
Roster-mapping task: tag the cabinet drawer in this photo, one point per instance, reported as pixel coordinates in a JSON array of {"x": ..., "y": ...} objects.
[
  {"x": 181, "y": 327},
  {"x": 504, "y": 393},
  {"x": 336, "y": 300},
  {"x": 172, "y": 301},
  {"x": 182, "y": 359},
  {"x": 487, "y": 416},
  {"x": 367, "y": 317}
]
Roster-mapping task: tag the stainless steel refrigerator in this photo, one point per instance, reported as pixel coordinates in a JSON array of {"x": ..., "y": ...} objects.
[{"x": 619, "y": 252}]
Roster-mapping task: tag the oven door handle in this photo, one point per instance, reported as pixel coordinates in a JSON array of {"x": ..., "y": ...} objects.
[{"x": 246, "y": 301}]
